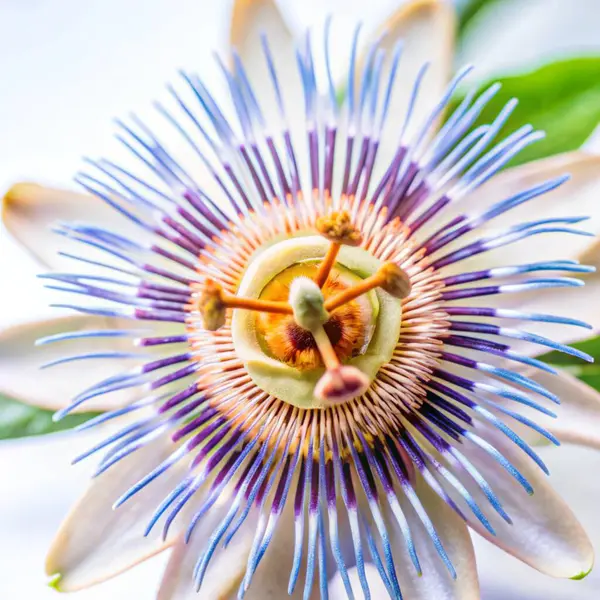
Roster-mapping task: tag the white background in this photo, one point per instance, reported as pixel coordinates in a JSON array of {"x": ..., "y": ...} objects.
[{"x": 67, "y": 68}]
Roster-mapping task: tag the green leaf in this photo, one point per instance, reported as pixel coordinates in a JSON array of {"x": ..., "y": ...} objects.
[
  {"x": 591, "y": 376},
  {"x": 588, "y": 372},
  {"x": 590, "y": 346},
  {"x": 21, "y": 420},
  {"x": 468, "y": 10},
  {"x": 561, "y": 98}
]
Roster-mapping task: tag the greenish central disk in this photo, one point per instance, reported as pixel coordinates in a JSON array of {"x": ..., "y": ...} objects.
[{"x": 280, "y": 379}]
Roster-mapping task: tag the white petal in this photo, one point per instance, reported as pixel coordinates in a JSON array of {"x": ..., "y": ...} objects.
[
  {"x": 579, "y": 303},
  {"x": 426, "y": 29},
  {"x": 228, "y": 566},
  {"x": 270, "y": 582},
  {"x": 20, "y": 360},
  {"x": 30, "y": 211},
  {"x": 436, "y": 581},
  {"x": 592, "y": 144},
  {"x": 576, "y": 197},
  {"x": 337, "y": 590},
  {"x": 570, "y": 302},
  {"x": 505, "y": 36},
  {"x": 249, "y": 20},
  {"x": 575, "y": 302},
  {"x": 224, "y": 574},
  {"x": 96, "y": 542},
  {"x": 545, "y": 534},
  {"x": 578, "y": 416}
]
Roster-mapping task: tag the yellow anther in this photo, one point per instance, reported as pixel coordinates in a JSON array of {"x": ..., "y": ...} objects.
[
  {"x": 389, "y": 277},
  {"x": 341, "y": 385},
  {"x": 395, "y": 281},
  {"x": 339, "y": 230},
  {"x": 212, "y": 304},
  {"x": 337, "y": 227}
]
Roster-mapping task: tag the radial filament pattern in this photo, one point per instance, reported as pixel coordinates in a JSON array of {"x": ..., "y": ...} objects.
[{"x": 252, "y": 183}]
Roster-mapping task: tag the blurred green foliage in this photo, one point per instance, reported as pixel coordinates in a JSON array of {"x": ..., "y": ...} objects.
[
  {"x": 561, "y": 98},
  {"x": 590, "y": 346},
  {"x": 21, "y": 420},
  {"x": 468, "y": 10},
  {"x": 587, "y": 372}
]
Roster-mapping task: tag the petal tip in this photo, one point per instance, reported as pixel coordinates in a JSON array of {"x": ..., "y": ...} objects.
[
  {"x": 17, "y": 192},
  {"x": 416, "y": 7},
  {"x": 582, "y": 575},
  {"x": 243, "y": 13},
  {"x": 54, "y": 581}
]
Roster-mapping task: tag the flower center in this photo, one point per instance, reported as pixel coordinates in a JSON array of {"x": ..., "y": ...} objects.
[
  {"x": 314, "y": 318},
  {"x": 349, "y": 327}
]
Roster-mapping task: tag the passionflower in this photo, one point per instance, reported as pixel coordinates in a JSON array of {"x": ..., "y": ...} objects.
[{"x": 332, "y": 316}]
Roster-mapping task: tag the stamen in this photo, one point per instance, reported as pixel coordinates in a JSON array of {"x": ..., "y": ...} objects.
[
  {"x": 390, "y": 277},
  {"x": 340, "y": 231},
  {"x": 213, "y": 303},
  {"x": 211, "y": 306},
  {"x": 325, "y": 347},
  {"x": 339, "y": 383},
  {"x": 281, "y": 308},
  {"x": 327, "y": 264}
]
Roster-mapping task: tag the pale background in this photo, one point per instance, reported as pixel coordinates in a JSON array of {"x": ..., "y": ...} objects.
[{"x": 67, "y": 68}]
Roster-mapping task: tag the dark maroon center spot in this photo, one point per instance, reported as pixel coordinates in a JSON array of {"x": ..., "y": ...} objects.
[{"x": 303, "y": 339}]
